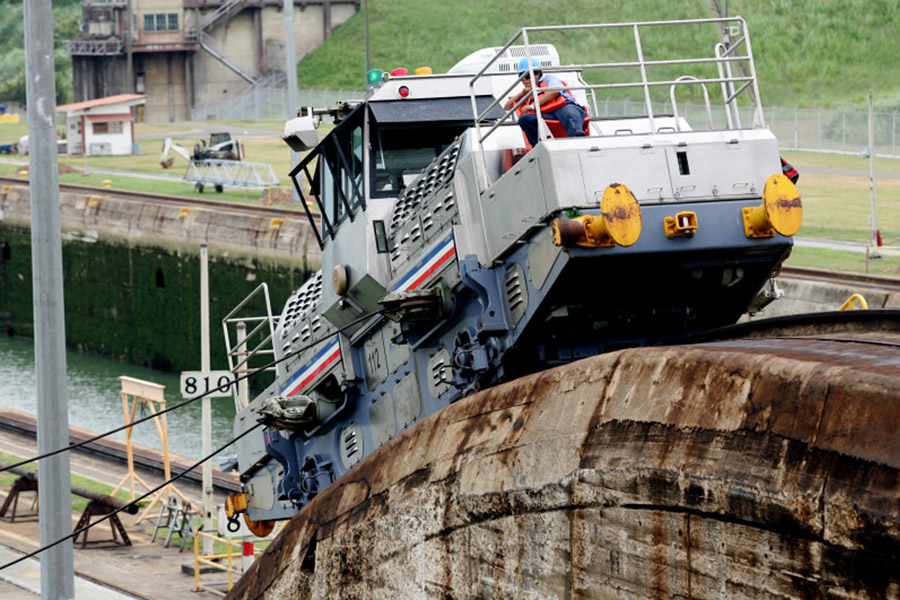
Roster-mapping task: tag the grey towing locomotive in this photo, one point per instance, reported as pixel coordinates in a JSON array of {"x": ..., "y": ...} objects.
[{"x": 456, "y": 257}]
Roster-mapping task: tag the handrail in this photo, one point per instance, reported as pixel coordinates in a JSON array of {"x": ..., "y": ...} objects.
[
  {"x": 232, "y": 351},
  {"x": 853, "y": 301},
  {"x": 733, "y": 85},
  {"x": 709, "y": 119}
]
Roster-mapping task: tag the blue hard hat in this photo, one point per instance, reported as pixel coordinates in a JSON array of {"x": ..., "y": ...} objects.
[{"x": 523, "y": 65}]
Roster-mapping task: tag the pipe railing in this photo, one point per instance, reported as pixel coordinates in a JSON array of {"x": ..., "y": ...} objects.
[{"x": 723, "y": 57}]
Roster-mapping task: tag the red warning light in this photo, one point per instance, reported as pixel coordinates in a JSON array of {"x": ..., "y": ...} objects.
[{"x": 403, "y": 91}]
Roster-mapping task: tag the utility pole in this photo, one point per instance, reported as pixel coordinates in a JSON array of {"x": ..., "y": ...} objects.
[
  {"x": 872, "y": 219},
  {"x": 54, "y": 485},
  {"x": 129, "y": 57},
  {"x": 366, "y": 20},
  {"x": 290, "y": 67},
  {"x": 206, "y": 402}
]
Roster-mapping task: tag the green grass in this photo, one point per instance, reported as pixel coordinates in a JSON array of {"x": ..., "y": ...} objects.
[
  {"x": 78, "y": 502},
  {"x": 808, "y": 53},
  {"x": 840, "y": 161},
  {"x": 262, "y": 149},
  {"x": 850, "y": 262},
  {"x": 838, "y": 206}
]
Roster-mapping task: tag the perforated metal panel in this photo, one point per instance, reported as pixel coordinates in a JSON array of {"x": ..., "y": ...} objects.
[{"x": 351, "y": 442}]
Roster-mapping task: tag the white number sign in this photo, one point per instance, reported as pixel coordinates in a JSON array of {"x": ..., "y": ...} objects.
[{"x": 217, "y": 383}]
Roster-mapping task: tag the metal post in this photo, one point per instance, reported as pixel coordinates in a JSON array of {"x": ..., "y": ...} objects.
[
  {"x": 843, "y": 129},
  {"x": 54, "y": 485},
  {"x": 206, "y": 410},
  {"x": 290, "y": 57},
  {"x": 872, "y": 219},
  {"x": 820, "y": 129},
  {"x": 129, "y": 57},
  {"x": 243, "y": 390},
  {"x": 366, "y": 21}
]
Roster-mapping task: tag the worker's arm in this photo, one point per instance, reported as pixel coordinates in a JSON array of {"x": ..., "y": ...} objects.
[
  {"x": 547, "y": 97},
  {"x": 515, "y": 99}
]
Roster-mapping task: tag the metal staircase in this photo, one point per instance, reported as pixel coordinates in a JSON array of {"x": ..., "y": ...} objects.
[
  {"x": 206, "y": 44},
  {"x": 222, "y": 14},
  {"x": 209, "y": 22}
]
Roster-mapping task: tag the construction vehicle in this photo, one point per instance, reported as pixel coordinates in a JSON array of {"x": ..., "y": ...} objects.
[
  {"x": 454, "y": 258},
  {"x": 203, "y": 170},
  {"x": 221, "y": 147}
]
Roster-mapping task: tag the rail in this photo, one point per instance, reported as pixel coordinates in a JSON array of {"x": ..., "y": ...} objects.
[
  {"x": 240, "y": 352},
  {"x": 102, "y": 193},
  {"x": 108, "y": 47},
  {"x": 855, "y": 302},
  {"x": 214, "y": 561},
  {"x": 723, "y": 57},
  {"x": 246, "y": 553}
]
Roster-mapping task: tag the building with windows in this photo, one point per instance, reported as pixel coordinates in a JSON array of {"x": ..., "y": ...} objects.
[
  {"x": 103, "y": 126},
  {"x": 184, "y": 54}
]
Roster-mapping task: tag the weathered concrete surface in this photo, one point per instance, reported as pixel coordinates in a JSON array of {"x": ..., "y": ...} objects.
[
  {"x": 804, "y": 296},
  {"x": 743, "y": 469},
  {"x": 234, "y": 235}
]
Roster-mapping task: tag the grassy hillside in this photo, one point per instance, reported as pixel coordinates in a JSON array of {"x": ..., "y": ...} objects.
[
  {"x": 66, "y": 14},
  {"x": 813, "y": 53}
]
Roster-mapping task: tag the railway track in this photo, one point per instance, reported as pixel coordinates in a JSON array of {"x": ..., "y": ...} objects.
[
  {"x": 167, "y": 200},
  {"x": 860, "y": 280}
]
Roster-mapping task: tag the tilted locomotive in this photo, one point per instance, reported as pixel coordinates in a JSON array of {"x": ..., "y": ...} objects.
[{"x": 453, "y": 258}]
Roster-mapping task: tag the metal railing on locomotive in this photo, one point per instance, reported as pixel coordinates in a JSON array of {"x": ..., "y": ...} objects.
[
  {"x": 242, "y": 350},
  {"x": 724, "y": 56}
]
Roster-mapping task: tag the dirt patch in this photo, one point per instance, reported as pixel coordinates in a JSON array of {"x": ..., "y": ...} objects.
[{"x": 273, "y": 196}]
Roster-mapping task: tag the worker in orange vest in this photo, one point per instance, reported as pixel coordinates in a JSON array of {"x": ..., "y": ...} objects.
[{"x": 558, "y": 105}]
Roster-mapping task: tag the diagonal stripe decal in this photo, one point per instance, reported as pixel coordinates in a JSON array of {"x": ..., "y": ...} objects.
[
  {"x": 322, "y": 361},
  {"x": 436, "y": 259}
]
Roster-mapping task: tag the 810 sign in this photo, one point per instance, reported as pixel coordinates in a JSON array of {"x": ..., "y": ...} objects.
[{"x": 217, "y": 383}]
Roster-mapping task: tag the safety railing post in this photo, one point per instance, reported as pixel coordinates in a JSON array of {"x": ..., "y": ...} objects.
[{"x": 843, "y": 129}]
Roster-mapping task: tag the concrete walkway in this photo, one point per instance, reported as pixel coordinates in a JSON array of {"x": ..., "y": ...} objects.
[
  {"x": 24, "y": 581},
  {"x": 844, "y": 246},
  {"x": 202, "y": 129}
]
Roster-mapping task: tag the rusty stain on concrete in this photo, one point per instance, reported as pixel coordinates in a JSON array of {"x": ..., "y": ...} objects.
[{"x": 753, "y": 468}]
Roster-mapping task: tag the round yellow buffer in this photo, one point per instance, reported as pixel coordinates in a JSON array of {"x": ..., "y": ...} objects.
[
  {"x": 781, "y": 210},
  {"x": 619, "y": 222}
]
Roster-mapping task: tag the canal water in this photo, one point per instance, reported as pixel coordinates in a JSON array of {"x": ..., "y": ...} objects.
[{"x": 95, "y": 398}]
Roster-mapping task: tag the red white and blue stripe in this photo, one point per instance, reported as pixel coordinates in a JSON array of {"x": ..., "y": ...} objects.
[
  {"x": 429, "y": 265},
  {"x": 321, "y": 362}
]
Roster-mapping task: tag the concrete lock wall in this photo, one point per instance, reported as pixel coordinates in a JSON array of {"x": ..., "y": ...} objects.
[
  {"x": 132, "y": 273},
  {"x": 727, "y": 470}
]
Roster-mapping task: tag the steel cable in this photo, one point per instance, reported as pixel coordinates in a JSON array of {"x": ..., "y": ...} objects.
[
  {"x": 222, "y": 387},
  {"x": 133, "y": 502}
]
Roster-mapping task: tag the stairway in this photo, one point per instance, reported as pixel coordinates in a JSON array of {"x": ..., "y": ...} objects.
[{"x": 222, "y": 14}]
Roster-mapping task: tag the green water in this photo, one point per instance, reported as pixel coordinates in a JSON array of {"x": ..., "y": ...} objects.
[{"x": 95, "y": 399}]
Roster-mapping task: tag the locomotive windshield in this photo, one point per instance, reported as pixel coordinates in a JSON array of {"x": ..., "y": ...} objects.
[
  {"x": 401, "y": 153},
  {"x": 408, "y": 134},
  {"x": 404, "y": 138}
]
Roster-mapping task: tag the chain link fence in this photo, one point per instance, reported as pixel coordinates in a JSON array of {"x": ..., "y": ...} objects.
[
  {"x": 815, "y": 129},
  {"x": 820, "y": 130},
  {"x": 268, "y": 104}
]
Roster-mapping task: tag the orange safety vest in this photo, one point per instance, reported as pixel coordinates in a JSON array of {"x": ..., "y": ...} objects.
[{"x": 554, "y": 104}]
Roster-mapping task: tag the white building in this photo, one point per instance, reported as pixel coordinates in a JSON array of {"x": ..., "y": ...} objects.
[{"x": 103, "y": 126}]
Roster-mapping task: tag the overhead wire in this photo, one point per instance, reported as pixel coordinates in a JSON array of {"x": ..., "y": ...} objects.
[
  {"x": 75, "y": 533},
  {"x": 133, "y": 502},
  {"x": 222, "y": 387}
]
